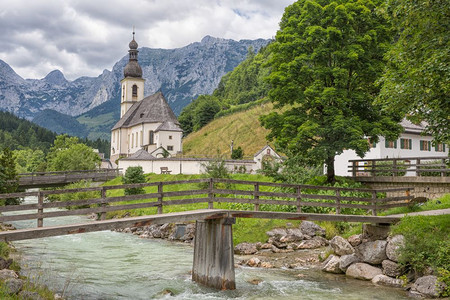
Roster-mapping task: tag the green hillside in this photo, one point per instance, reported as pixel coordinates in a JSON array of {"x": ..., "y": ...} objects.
[{"x": 242, "y": 127}]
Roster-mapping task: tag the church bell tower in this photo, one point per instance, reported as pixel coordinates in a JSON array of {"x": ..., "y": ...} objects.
[{"x": 132, "y": 85}]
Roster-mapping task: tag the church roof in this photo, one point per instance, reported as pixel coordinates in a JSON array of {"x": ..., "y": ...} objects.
[
  {"x": 169, "y": 126},
  {"x": 141, "y": 155},
  {"x": 151, "y": 109}
]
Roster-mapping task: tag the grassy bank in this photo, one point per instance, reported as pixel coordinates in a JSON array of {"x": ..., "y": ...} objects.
[
  {"x": 440, "y": 203},
  {"x": 36, "y": 289}
]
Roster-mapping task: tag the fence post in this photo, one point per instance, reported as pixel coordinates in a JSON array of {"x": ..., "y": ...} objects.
[
  {"x": 443, "y": 167},
  {"x": 417, "y": 167},
  {"x": 338, "y": 202},
  {"x": 103, "y": 196},
  {"x": 256, "y": 196},
  {"x": 354, "y": 164},
  {"x": 211, "y": 194},
  {"x": 160, "y": 198},
  {"x": 299, "y": 199},
  {"x": 40, "y": 220},
  {"x": 374, "y": 203},
  {"x": 374, "y": 172},
  {"x": 394, "y": 167}
]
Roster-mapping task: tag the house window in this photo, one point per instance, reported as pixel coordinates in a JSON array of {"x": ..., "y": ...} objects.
[
  {"x": 170, "y": 148},
  {"x": 439, "y": 148},
  {"x": 170, "y": 137},
  {"x": 406, "y": 144},
  {"x": 151, "y": 137},
  {"x": 390, "y": 144},
  {"x": 425, "y": 145},
  {"x": 134, "y": 90},
  {"x": 372, "y": 144}
]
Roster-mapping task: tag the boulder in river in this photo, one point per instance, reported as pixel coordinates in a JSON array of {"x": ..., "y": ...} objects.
[
  {"x": 363, "y": 271},
  {"x": 372, "y": 252},
  {"x": 311, "y": 229},
  {"x": 341, "y": 246}
]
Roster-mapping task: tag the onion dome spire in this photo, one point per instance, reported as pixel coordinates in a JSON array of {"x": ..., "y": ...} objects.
[{"x": 133, "y": 69}]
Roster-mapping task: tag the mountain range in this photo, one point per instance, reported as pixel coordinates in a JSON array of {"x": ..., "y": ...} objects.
[{"x": 89, "y": 106}]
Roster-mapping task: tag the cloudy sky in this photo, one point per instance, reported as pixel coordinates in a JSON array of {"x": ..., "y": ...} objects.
[{"x": 84, "y": 37}]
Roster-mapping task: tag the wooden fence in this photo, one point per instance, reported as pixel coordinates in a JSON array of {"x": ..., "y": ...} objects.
[
  {"x": 408, "y": 166},
  {"x": 257, "y": 196},
  {"x": 61, "y": 177}
]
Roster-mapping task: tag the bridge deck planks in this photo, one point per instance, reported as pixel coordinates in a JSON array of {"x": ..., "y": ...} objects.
[{"x": 202, "y": 214}]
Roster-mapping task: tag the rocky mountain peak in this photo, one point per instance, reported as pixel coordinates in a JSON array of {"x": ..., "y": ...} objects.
[{"x": 56, "y": 77}]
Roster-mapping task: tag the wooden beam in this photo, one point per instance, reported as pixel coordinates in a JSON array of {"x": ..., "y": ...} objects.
[{"x": 33, "y": 233}]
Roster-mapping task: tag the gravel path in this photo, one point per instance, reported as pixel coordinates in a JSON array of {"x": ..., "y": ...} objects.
[{"x": 436, "y": 212}]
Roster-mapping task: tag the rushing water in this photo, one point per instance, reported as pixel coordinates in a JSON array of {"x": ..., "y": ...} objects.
[{"x": 112, "y": 265}]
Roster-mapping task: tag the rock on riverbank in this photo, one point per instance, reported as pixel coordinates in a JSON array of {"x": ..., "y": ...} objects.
[{"x": 374, "y": 256}]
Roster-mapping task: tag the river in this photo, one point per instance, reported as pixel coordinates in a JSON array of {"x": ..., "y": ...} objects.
[{"x": 112, "y": 265}]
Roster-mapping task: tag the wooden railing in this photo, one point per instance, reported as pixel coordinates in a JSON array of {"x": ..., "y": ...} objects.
[
  {"x": 408, "y": 166},
  {"x": 36, "y": 178},
  {"x": 258, "y": 196}
]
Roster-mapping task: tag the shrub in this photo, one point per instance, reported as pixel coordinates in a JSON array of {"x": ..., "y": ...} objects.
[
  {"x": 427, "y": 242},
  {"x": 237, "y": 153},
  {"x": 76, "y": 196},
  {"x": 134, "y": 175}
]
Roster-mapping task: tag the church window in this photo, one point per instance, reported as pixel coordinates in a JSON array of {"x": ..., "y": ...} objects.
[
  {"x": 132, "y": 140},
  {"x": 170, "y": 148},
  {"x": 151, "y": 137},
  {"x": 170, "y": 137},
  {"x": 137, "y": 138},
  {"x": 134, "y": 91},
  {"x": 123, "y": 92}
]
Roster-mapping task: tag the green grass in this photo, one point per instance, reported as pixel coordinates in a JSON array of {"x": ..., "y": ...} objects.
[
  {"x": 427, "y": 244},
  {"x": 440, "y": 203}
]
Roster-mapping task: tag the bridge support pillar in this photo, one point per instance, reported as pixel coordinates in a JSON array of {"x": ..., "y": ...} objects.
[{"x": 213, "y": 254}]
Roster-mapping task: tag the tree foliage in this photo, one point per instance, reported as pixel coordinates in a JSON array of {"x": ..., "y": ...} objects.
[
  {"x": 244, "y": 84},
  {"x": 325, "y": 61},
  {"x": 29, "y": 160},
  {"x": 199, "y": 113},
  {"x": 417, "y": 78},
  {"x": 8, "y": 176},
  {"x": 68, "y": 153},
  {"x": 237, "y": 153},
  {"x": 134, "y": 175}
]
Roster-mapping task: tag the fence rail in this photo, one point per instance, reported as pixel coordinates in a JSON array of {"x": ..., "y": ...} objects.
[
  {"x": 61, "y": 177},
  {"x": 408, "y": 166},
  {"x": 259, "y": 196}
]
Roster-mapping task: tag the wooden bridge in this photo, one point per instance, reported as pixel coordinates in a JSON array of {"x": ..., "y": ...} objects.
[
  {"x": 213, "y": 249},
  {"x": 61, "y": 178},
  {"x": 429, "y": 176}
]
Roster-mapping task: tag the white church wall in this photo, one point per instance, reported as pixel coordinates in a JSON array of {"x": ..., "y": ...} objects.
[{"x": 170, "y": 138}]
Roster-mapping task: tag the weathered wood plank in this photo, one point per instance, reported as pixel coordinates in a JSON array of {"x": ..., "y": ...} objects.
[
  {"x": 313, "y": 217},
  {"x": 23, "y": 234}
]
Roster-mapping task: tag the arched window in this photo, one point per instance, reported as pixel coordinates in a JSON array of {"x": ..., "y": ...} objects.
[{"x": 134, "y": 90}]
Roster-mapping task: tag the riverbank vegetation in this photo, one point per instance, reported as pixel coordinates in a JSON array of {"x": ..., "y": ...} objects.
[{"x": 30, "y": 290}]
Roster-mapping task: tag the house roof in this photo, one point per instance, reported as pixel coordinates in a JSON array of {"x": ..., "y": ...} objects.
[
  {"x": 151, "y": 109},
  {"x": 141, "y": 155},
  {"x": 263, "y": 149},
  {"x": 168, "y": 126},
  {"x": 413, "y": 128}
]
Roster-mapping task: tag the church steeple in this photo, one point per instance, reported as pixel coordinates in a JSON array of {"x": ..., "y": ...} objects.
[
  {"x": 133, "y": 69},
  {"x": 132, "y": 83}
]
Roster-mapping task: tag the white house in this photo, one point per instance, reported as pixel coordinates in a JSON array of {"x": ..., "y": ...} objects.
[
  {"x": 411, "y": 143},
  {"x": 145, "y": 123}
]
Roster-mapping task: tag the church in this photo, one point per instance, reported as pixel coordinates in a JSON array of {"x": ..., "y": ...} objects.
[{"x": 146, "y": 123}]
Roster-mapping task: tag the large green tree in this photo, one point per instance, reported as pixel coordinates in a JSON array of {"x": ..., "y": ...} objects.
[
  {"x": 8, "y": 176},
  {"x": 68, "y": 153},
  {"x": 325, "y": 60},
  {"x": 417, "y": 78}
]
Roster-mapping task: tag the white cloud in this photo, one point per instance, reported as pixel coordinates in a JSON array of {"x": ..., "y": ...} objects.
[{"x": 84, "y": 37}]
